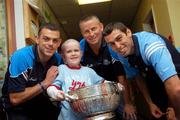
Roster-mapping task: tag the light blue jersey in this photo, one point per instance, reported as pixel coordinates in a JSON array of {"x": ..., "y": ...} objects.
[
  {"x": 72, "y": 79},
  {"x": 155, "y": 53}
]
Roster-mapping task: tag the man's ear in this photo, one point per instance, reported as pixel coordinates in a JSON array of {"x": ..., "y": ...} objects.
[
  {"x": 60, "y": 41},
  {"x": 102, "y": 26},
  {"x": 37, "y": 40},
  {"x": 62, "y": 55},
  {"x": 128, "y": 32},
  {"x": 59, "y": 44},
  {"x": 81, "y": 53}
]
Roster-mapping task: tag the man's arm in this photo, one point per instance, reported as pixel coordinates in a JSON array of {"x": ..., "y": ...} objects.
[
  {"x": 172, "y": 85},
  {"x": 30, "y": 92},
  {"x": 129, "y": 109},
  {"x": 162, "y": 62},
  {"x": 20, "y": 97},
  {"x": 155, "y": 111},
  {"x": 123, "y": 81}
]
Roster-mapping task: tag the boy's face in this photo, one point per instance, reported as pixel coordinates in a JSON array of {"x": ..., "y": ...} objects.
[{"x": 72, "y": 54}]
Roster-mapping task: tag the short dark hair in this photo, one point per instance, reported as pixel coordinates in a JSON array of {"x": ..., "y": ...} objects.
[
  {"x": 50, "y": 26},
  {"x": 114, "y": 25},
  {"x": 88, "y": 17}
]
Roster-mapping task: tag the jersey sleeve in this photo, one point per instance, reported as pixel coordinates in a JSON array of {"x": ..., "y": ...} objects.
[
  {"x": 19, "y": 67},
  {"x": 18, "y": 64},
  {"x": 58, "y": 82},
  {"x": 160, "y": 58},
  {"x": 95, "y": 78}
]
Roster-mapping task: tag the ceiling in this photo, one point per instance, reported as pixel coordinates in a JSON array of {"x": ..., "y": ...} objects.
[{"x": 68, "y": 13}]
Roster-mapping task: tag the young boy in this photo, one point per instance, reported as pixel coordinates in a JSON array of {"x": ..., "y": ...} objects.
[{"x": 71, "y": 76}]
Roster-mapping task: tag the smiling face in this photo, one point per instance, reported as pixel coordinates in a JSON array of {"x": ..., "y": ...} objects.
[
  {"x": 92, "y": 31},
  {"x": 121, "y": 42},
  {"x": 48, "y": 41},
  {"x": 71, "y": 53}
]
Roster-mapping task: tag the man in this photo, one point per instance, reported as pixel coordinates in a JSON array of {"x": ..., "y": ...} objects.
[
  {"x": 97, "y": 55},
  {"x": 154, "y": 56},
  {"x": 30, "y": 71}
]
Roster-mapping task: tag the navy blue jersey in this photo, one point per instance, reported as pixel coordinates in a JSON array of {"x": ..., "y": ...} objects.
[
  {"x": 103, "y": 63},
  {"x": 108, "y": 63},
  {"x": 25, "y": 70}
]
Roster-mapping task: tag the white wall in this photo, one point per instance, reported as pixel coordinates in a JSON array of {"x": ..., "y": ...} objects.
[{"x": 19, "y": 24}]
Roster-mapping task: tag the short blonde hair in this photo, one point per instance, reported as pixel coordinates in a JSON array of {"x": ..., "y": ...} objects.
[{"x": 66, "y": 42}]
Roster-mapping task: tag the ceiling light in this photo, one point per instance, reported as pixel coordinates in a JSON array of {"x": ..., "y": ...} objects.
[{"x": 82, "y": 2}]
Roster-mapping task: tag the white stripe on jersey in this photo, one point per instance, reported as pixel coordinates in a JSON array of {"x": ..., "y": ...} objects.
[
  {"x": 25, "y": 75},
  {"x": 151, "y": 45},
  {"x": 159, "y": 47},
  {"x": 152, "y": 48}
]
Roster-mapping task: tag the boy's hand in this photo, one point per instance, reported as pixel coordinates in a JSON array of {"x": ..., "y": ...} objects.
[{"x": 60, "y": 95}]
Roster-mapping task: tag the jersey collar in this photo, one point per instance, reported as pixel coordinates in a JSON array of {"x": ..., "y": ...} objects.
[{"x": 77, "y": 67}]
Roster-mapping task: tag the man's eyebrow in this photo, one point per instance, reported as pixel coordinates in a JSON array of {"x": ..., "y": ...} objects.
[{"x": 50, "y": 37}]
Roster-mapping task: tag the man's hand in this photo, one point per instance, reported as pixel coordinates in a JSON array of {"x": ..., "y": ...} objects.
[
  {"x": 50, "y": 75},
  {"x": 170, "y": 114},
  {"x": 129, "y": 112},
  {"x": 155, "y": 111}
]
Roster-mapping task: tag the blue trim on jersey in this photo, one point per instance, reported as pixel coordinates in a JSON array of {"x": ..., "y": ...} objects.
[
  {"x": 155, "y": 53},
  {"x": 23, "y": 59},
  {"x": 130, "y": 71},
  {"x": 20, "y": 61}
]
